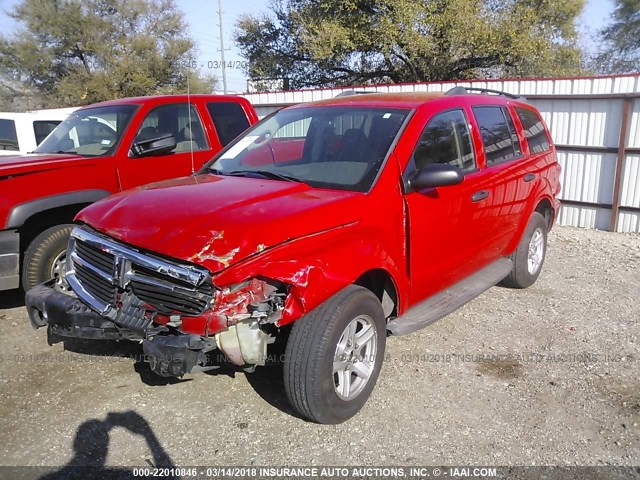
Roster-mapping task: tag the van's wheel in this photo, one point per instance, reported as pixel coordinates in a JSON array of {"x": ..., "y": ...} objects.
[
  {"x": 334, "y": 355},
  {"x": 46, "y": 258},
  {"x": 529, "y": 256}
]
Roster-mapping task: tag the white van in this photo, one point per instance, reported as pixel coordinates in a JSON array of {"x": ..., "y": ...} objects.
[{"x": 21, "y": 133}]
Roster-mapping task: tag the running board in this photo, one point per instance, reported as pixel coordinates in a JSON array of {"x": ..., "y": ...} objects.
[{"x": 449, "y": 300}]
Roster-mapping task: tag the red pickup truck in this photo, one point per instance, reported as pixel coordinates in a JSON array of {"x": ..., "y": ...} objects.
[
  {"x": 99, "y": 150},
  {"x": 329, "y": 226}
]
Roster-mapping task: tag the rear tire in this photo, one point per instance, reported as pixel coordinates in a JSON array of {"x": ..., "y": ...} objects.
[
  {"x": 45, "y": 258},
  {"x": 530, "y": 254},
  {"x": 328, "y": 375}
]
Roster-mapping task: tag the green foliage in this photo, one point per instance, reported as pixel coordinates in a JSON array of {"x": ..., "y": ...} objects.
[
  {"x": 74, "y": 52},
  {"x": 343, "y": 42},
  {"x": 621, "y": 51}
]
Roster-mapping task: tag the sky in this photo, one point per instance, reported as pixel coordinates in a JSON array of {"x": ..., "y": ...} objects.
[{"x": 202, "y": 17}]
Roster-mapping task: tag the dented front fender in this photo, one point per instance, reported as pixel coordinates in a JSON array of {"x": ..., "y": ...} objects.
[{"x": 317, "y": 266}]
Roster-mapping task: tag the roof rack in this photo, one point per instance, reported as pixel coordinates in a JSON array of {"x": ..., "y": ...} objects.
[
  {"x": 465, "y": 90},
  {"x": 348, "y": 93}
]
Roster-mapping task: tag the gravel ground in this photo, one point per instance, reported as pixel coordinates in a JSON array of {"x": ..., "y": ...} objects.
[{"x": 543, "y": 376}]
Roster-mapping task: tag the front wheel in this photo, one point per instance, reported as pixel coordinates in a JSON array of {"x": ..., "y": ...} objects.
[
  {"x": 334, "y": 355},
  {"x": 529, "y": 256},
  {"x": 46, "y": 258}
]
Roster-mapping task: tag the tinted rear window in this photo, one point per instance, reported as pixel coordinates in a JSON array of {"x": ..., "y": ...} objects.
[
  {"x": 229, "y": 119},
  {"x": 8, "y": 136},
  {"x": 537, "y": 137},
  {"x": 498, "y": 135}
]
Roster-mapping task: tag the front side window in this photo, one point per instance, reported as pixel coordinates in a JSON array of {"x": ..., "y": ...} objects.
[
  {"x": 229, "y": 119},
  {"x": 498, "y": 134},
  {"x": 8, "y": 135},
  {"x": 328, "y": 147},
  {"x": 178, "y": 119},
  {"x": 446, "y": 140},
  {"x": 89, "y": 132},
  {"x": 534, "y": 130}
]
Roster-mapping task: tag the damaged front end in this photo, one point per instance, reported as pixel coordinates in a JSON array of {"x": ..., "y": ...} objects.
[{"x": 174, "y": 309}]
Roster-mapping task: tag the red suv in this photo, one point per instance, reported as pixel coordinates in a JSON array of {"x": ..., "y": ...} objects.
[{"x": 328, "y": 225}]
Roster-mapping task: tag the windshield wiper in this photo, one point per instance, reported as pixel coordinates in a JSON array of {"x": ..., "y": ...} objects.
[{"x": 264, "y": 173}]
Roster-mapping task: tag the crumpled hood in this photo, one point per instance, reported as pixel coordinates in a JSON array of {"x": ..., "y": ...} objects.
[
  {"x": 216, "y": 221},
  {"x": 37, "y": 162}
]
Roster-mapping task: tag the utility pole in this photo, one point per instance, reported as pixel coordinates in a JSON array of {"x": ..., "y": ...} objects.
[{"x": 224, "y": 67}]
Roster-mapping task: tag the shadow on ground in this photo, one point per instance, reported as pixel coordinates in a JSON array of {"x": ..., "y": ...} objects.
[
  {"x": 12, "y": 298},
  {"x": 268, "y": 382},
  {"x": 113, "y": 348},
  {"x": 91, "y": 446}
]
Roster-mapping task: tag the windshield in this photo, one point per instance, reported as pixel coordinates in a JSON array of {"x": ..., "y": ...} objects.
[
  {"x": 329, "y": 147},
  {"x": 89, "y": 132}
]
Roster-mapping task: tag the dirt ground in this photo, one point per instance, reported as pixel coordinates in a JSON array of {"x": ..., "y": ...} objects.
[{"x": 543, "y": 376}]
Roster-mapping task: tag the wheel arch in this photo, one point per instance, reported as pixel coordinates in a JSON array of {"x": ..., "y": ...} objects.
[
  {"x": 31, "y": 218},
  {"x": 543, "y": 206},
  {"x": 380, "y": 282},
  {"x": 20, "y": 214}
]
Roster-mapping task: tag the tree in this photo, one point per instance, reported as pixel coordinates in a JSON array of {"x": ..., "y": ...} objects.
[
  {"x": 74, "y": 52},
  {"x": 621, "y": 51},
  {"x": 345, "y": 42}
]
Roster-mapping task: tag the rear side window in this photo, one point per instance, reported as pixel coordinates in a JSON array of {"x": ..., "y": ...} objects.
[
  {"x": 537, "y": 137},
  {"x": 42, "y": 128},
  {"x": 498, "y": 134},
  {"x": 229, "y": 119},
  {"x": 446, "y": 140},
  {"x": 8, "y": 136}
]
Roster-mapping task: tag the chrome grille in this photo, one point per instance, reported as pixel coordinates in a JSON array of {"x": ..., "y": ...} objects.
[
  {"x": 94, "y": 268},
  {"x": 102, "y": 272},
  {"x": 99, "y": 258},
  {"x": 168, "y": 297},
  {"x": 96, "y": 285}
]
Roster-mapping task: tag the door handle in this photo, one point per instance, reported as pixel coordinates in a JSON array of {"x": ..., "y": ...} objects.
[
  {"x": 529, "y": 177},
  {"x": 479, "y": 195}
]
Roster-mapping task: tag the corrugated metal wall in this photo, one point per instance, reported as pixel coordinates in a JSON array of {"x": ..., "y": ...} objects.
[
  {"x": 585, "y": 116},
  {"x": 630, "y": 196}
]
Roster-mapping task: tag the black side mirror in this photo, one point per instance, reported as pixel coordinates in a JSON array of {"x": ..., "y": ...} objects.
[
  {"x": 436, "y": 175},
  {"x": 154, "y": 146}
]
